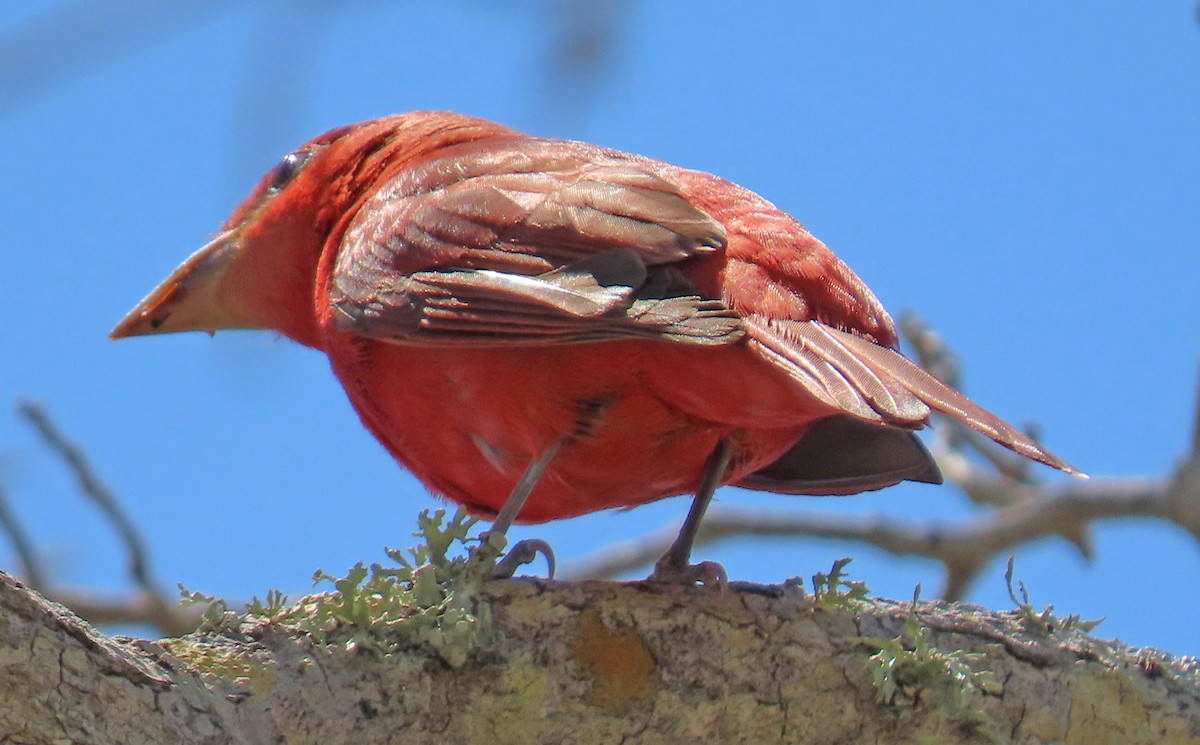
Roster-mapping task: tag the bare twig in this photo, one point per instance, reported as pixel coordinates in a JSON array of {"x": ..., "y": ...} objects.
[
  {"x": 962, "y": 549},
  {"x": 1185, "y": 482},
  {"x": 1195, "y": 454},
  {"x": 57, "y": 46},
  {"x": 150, "y": 605},
  {"x": 93, "y": 489},
  {"x": 935, "y": 355},
  {"x": 138, "y": 608},
  {"x": 31, "y": 568}
]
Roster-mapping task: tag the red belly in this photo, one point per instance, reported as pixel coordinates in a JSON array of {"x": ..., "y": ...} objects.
[{"x": 640, "y": 417}]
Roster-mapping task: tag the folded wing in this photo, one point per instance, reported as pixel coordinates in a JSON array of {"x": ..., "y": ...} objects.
[{"x": 516, "y": 241}]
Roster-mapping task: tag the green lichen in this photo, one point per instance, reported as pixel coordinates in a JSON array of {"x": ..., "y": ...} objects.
[
  {"x": 909, "y": 670},
  {"x": 428, "y": 596},
  {"x": 835, "y": 590},
  {"x": 216, "y": 662},
  {"x": 216, "y": 616},
  {"x": 275, "y": 603},
  {"x": 1044, "y": 623}
]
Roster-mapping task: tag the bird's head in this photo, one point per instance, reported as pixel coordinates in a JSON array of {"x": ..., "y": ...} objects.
[{"x": 260, "y": 271}]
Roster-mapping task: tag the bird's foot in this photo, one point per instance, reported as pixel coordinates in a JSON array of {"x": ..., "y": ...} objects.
[
  {"x": 522, "y": 553},
  {"x": 707, "y": 573}
]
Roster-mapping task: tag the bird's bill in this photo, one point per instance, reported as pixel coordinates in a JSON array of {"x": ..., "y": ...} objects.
[{"x": 190, "y": 299}]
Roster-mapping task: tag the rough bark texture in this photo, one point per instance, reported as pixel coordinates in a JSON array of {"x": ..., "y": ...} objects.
[{"x": 588, "y": 662}]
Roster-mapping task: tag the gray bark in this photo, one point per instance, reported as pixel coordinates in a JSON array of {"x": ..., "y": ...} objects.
[{"x": 590, "y": 662}]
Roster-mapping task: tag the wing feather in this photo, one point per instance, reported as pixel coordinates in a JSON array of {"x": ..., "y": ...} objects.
[
  {"x": 877, "y": 383},
  {"x": 527, "y": 241}
]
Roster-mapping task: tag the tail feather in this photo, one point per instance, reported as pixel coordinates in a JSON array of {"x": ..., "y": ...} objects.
[{"x": 887, "y": 386}]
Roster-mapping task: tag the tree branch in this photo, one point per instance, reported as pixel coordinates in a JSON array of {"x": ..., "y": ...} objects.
[
  {"x": 150, "y": 605},
  {"x": 31, "y": 568},
  {"x": 601, "y": 662},
  {"x": 92, "y": 488}
]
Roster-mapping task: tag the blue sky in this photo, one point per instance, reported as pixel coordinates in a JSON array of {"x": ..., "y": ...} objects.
[{"x": 1024, "y": 177}]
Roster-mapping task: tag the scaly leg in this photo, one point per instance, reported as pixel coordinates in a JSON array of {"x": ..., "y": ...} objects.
[
  {"x": 526, "y": 551},
  {"x": 674, "y": 566}
]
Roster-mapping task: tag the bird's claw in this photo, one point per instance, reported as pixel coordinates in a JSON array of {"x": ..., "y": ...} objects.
[
  {"x": 522, "y": 553},
  {"x": 707, "y": 573}
]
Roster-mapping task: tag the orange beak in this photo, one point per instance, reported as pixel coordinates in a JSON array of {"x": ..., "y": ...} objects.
[{"x": 190, "y": 299}]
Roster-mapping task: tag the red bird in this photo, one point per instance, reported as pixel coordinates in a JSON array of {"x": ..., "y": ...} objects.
[{"x": 541, "y": 328}]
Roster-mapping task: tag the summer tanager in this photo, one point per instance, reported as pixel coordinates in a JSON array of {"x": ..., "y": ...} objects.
[{"x": 564, "y": 328}]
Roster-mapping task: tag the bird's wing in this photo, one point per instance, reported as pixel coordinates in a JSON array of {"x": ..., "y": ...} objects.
[
  {"x": 877, "y": 384},
  {"x": 516, "y": 240}
]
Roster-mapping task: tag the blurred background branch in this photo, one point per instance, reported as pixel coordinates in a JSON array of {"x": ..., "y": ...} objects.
[
  {"x": 147, "y": 604},
  {"x": 61, "y": 46}
]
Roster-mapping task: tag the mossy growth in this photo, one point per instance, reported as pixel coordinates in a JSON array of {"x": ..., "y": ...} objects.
[
  {"x": 909, "y": 670},
  {"x": 213, "y": 662},
  {"x": 428, "y": 597},
  {"x": 834, "y": 589},
  {"x": 1043, "y": 623}
]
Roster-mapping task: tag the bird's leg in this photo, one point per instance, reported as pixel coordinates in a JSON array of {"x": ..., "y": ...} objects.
[
  {"x": 525, "y": 551},
  {"x": 674, "y": 567}
]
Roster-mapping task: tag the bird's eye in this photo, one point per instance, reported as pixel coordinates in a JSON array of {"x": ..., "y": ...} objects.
[{"x": 287, "y": 169}]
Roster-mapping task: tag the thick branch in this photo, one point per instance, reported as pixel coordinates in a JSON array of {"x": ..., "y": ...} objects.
[{"x": 591, "y": 662}]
